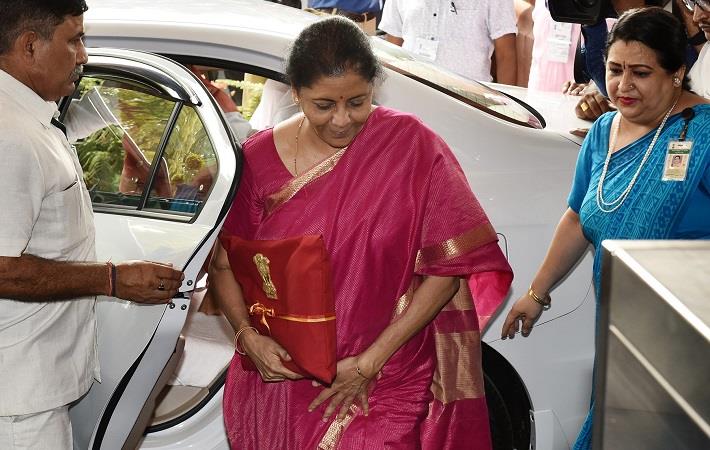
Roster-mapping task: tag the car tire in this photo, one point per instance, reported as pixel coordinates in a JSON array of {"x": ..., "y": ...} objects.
[{"x": 499, "y": 417}]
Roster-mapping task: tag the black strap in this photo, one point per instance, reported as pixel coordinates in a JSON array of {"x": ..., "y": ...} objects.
[
  {"x": 59, "y": 125},
  {"x": 697, "y": 39}
]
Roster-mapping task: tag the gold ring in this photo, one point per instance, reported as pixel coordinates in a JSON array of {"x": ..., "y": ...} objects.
[{"x": 584, "y": 106}]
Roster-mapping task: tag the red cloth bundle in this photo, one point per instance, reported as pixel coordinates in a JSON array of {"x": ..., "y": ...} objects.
[{"x": 288, "y": 291}]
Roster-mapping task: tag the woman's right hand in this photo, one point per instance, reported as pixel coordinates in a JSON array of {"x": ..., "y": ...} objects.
[
  {"x": 525, "y": 311},
  {"x": 268, "y": 357},
  {"x": 592, "y": 105}
]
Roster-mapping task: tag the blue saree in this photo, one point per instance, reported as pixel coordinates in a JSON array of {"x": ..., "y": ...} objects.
[{"x": 654, "y": 209}]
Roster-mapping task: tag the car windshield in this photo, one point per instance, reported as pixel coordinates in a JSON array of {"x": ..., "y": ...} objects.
[{"x": 471, "y": 92}]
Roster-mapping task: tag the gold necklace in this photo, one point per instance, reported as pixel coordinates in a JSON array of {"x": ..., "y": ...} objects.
[
  {"x": 298, "y": 132},
  {"x": 295, "y": 155}
]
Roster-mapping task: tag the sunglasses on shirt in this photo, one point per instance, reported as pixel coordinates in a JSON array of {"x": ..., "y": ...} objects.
[{"x": 702, "y": 4}]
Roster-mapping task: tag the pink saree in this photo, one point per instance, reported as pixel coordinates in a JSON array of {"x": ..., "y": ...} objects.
[{"x": 392, "y": 208}]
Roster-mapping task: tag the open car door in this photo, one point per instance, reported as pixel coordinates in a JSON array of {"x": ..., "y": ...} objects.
[{"x": 161, "y": 166}]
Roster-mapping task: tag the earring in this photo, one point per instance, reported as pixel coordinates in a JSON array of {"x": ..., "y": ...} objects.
[
  {"x": 676, "y": 81},
  {"x": 296, "y": 100}
]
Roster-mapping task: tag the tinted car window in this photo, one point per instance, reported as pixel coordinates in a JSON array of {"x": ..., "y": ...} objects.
[
  {"x": 469, "y": 91},
  {"x": 119, "y": 128},
  {"x": 191, "y": 163}
]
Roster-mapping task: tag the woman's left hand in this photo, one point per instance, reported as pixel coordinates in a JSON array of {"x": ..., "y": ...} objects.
[{"x": 347, "y": 386}]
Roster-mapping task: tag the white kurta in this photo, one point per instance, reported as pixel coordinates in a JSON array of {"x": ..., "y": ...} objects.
[
  {"x": 456, "y": 35},
  {"x": 47, "y": 349},
  {"x": 700, "y": 73}
]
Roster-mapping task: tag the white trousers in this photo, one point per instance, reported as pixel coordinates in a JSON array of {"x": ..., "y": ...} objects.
[{"x": 48, "y": 430}]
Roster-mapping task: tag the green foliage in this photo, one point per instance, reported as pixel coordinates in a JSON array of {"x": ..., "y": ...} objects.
[
  {"x": 189, "y": 148},
  {"x": 252, "y": 92},
  {"x": 144, "y": 117},
  {"x": 101, "y": 157}
]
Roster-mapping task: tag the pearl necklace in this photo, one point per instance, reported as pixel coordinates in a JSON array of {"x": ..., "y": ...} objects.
[{"x": 613, "y": 205}]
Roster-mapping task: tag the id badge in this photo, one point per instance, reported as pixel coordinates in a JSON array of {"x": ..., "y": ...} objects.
[
  {"x": 559, "y": 43},
  {"x": 558, "y": 51},
  {"x": 562, "y": 31},
  {"x": 426, "y": 48},
  {"x": 677, "y": 160}
]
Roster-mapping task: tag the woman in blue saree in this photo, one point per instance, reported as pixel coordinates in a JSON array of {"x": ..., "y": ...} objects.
[{"x": 627, "y": 184}]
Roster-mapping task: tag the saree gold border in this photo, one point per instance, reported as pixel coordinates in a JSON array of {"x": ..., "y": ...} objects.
[
  {"x": 462, "y": 300},
  {"x": 308, "y": 319},
  {"x": 336, "y": 429},
  {"x": 455, "y": 380},
  {"x": 456, "y": 246},
  {"x": 403, "y": 302},
  {"x": 291, "y": 188}
]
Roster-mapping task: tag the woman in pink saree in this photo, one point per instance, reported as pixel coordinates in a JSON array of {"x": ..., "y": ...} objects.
[{"x": 409, "y": 247}]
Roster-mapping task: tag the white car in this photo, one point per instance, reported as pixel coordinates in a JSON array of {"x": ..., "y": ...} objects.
[{"x": 162, "y": 165}]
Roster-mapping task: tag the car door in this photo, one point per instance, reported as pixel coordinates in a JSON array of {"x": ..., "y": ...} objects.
[{"x": 161, "y": 166}]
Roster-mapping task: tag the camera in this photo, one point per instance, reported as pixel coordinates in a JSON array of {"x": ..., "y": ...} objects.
[{"x": 586, "y": 12}]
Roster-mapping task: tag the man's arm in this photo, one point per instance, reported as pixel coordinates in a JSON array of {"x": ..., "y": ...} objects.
[
  {"x": 392, "y": 23},
  {"x": 30, "y": 278},
  {"x": 506, "y": 62},
  {"x": 394, "y": 39}
]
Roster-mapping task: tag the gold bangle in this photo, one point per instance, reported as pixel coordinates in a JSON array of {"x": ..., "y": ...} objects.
[
  {"x": 239, "y": 333},
  {"x": 545, "y": 302}
]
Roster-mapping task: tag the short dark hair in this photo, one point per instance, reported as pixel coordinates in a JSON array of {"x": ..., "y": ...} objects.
[
  {"x": 41, "y": 16},
  {"x": 658, "y": 30},
  {"x": 329, "y": 48}
]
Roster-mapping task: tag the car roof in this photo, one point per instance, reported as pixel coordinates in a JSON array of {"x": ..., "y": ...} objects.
[
  {"x": 245, "y": 14},
  {"x": 168, "y": 19}
]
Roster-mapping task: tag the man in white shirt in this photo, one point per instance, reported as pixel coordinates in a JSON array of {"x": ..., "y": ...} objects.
[
  {"x": 48, "y": 280},
  {"x": 459, "y": 35},
  {"x": 700, "y": 72}
]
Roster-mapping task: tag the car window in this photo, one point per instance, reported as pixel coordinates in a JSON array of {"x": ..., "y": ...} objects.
[
  {"x": 250, "y": 101},
  {"x": 187, "y": 169},
  {"x": 471, "y": 92},
  {"x": 119, "y": 129}
]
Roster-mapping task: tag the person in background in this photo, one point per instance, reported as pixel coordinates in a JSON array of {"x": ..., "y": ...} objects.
[
  {"x": 459, "y": 35},
  {"x": 622, "y": 187},
  {"x": 696, "y": 37},
  {"x": 524, "y": 39},
  {"x": 240, "y": 126},
  {"x": 554, "y": 48},
  {"x": 700, "y": 73},
  {"x": 48, "y": 274},
  {"x": 365, "y": 13},
  {"x": 323, "y": 172}
]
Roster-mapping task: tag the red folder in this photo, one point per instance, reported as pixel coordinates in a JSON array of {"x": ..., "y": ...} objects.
[{"x": 288, "y": 291}]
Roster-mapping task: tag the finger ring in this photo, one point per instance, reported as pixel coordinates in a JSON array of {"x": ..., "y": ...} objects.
[
  {"x": 584, "y": 106},
  {"x": 161, "y": 286}
]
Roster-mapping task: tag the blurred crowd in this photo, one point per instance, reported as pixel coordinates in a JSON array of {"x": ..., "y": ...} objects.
[{"x": 514, "y": 42}]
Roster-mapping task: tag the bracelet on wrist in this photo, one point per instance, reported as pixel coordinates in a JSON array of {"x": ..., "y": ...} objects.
[
  {"x": 359, "y": 372},
  {"x": 545, "y": 301},
  {"x": 238, "y": 334}
]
